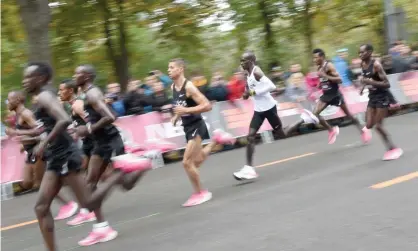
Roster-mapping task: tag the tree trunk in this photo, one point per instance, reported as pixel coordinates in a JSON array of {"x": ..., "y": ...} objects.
[
  {"x": 119, "y": 58},
  {"x": 36, "y": 16},
  {"x": 308, "y": 30},
  {"x": 269, "y": 40}
]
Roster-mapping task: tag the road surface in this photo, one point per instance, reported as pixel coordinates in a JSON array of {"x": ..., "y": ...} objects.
[{"x": 310, "y": 196}]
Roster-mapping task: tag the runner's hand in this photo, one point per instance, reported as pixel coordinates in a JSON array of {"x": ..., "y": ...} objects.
[
  {"x": 246, "y": 95},
  {"x": 40, "y": 149},
  {"x": 82, "y": 131},
  {"x": 174, "y": 119},
  {"x": 180, "y": 110}
]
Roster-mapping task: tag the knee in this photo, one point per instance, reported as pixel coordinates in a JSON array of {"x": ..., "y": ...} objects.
[
  {"x": 251, "y": 138},
  {"x": 41, "y": 209},
  {"x": 187, "y": 163}
]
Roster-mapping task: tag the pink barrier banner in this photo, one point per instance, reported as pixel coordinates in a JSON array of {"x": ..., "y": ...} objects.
[{"x": 12, "y": 161}]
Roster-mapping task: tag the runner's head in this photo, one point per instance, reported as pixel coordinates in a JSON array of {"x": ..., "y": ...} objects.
[
  {"x": 365, "y": 52},
  {"x": 67, "y": 90},
  {"x": 176, "y": 68},
  {"x": 36, "y": 75},
  {"x": 84, "y": 74},
  {"x": 318, "y": 56},
  {"x": 248, "y": 60},
  {"x": 14, "y": 99}
]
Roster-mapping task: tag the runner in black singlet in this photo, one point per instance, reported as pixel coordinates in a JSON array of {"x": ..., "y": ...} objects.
[
  {"x": 62, "y": 155},
  {"x": 68, "y": 94},
  {"x": 329, "y": 83},
  {"x": 374, "y": 78},
  {"x": 107, "y": 143},
  {"x": 34, "y": 167},
  {"x": 25, "y": 120},
  {"x": 189, "y": 104}
]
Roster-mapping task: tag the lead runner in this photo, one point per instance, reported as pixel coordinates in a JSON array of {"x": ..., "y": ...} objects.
[{"x": 190, "y": 103}]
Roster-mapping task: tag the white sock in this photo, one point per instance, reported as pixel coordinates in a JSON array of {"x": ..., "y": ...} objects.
[
  {"x": 101, "y": 225},
  {"x": 84, "y": 211}
]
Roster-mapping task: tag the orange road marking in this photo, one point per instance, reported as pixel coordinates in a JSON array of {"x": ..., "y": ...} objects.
[
  {"x": 19, "y": 225},
  {"x": 395, "y": 181}
]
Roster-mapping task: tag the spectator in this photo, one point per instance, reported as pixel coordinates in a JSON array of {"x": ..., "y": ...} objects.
[
  {"x": 217, "y": 90},
  {"x": 113, "y": 98},
  {"x": 277, "y": 76},
  {"x": 296, "y": 87},
  {"x": 236, "y": 86},
  {"x": 134, "y": 98},
  {"x": 341, "y": 65}
]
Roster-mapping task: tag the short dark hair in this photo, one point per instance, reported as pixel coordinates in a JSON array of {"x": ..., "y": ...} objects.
[
  {"x": 43, "y": 69},
  {"x": 368, "y": 47},
  {"x": 179, "y": 61},
  {"x": 319, "y": 51},
  {"x": 70, "y": 84}
]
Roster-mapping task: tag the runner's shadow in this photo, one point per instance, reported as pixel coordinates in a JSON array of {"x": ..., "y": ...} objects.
[{"x": 243, "y": 183}]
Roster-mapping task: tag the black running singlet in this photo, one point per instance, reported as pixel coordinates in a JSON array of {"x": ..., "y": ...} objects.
[
  {"x": 328, "y": 87},
  {"x": 371, "y": 74},
  {"x": 62, "y": 141},
  {"x": 180, "y": 99},
  {"x": 92, "y": 116}
]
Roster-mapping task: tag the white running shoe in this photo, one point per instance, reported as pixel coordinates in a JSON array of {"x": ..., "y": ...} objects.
[
  {"x": 246, "y": 173},
  {"x": 309, "y": 117}
]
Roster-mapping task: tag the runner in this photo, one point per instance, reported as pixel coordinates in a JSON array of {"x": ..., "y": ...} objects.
[
  {"x": 107, "y": 143},
  {"x": 374, "y": 78},
  {"x": 68, "y": 94},
  {"x": 64, "y": 158},
  {"x": 189, "y": 104},
  {"x": 259, "y": 87},
  {"x": 34, "y": 168},
  {"x": 329, "y": 81}
]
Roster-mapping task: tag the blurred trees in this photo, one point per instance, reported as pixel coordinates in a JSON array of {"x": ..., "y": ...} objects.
[{"x": 126, "y": 39}]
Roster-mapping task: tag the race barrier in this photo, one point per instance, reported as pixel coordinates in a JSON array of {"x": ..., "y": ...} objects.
[{"x": 233, "y": 117}]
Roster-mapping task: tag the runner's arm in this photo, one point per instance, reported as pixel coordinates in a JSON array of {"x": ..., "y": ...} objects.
[
  {"x": 377, "y": 67},
  {"x": 28, "y": 117},
  {"x": 268, "y": 84},
  {"x": 95, "y": 99},
  {"x": 203, "y": 104},
  {"x": 334, "y": 77}
]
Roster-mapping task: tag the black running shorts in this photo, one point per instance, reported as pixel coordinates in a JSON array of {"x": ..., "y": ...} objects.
[
  {"x": 197, "y": 128},
  {"x": 272, "y": 117},
  {"x": 334, "y": 100},
  {"x": 106, "y": 149},
  {"x": 380, "y": 101},
  {"x": 87, "y": 146},
  {"x": 64, "y": 162}
]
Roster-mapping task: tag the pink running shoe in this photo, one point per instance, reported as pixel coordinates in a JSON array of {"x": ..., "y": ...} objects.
[
  {"x": 222, "y": 137},
  {"x": 131, "y": 163},
  {"x": 81, "y": 218},
  {"x": 99, "y": 235},
  {"x": 366, "y": 135},
  {"x": 393, "y": 154},
  {"x": 67, "y": 211},
  {"x": 198, "y": 198},
  {"x": 332, "y": 135}
]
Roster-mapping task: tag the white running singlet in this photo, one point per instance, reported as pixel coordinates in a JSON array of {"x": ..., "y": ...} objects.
[{"x": 264, "y": 101}]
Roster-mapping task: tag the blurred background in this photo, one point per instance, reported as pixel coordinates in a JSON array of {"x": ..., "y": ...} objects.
[{"x": 130, "y": 42}]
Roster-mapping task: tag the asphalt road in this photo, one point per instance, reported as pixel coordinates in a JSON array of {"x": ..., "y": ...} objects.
[{"x": 310, "y": 196}]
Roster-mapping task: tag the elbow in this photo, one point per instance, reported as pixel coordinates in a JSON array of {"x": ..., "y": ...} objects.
[
  {"x": 208, "y": 107},
  {"x": 65, "y": 123},
  {"x": 110, "y": 119}
]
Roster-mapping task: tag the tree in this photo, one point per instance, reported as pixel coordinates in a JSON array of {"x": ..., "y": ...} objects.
[{"x": 36, "y": 16}]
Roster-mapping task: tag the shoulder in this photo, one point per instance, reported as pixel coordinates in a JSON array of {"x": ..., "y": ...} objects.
[
  {"x": 27, "y": 113},
  {"x": 258, "y": 73}
]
